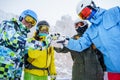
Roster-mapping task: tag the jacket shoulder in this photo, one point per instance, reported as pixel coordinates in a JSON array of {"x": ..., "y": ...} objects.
[{"x": 111, "y": 16}]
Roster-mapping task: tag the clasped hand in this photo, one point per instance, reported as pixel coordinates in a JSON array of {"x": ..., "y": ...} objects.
[{"x": 59, "y": 41}]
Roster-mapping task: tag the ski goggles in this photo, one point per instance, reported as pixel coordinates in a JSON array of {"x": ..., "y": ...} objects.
[
  {"x": 31, "y": 20},
  {"x": 44, "y": 29},
  {"x": 79, "y": 24},
  {"x": 85, "y": 13}
]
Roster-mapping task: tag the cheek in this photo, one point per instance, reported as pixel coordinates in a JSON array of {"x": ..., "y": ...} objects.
[
  {"x": 24, "y": 22},
  {"x": 28, "y": 25}
]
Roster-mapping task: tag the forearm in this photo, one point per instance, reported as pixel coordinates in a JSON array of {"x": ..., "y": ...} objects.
[{"x": 61, "y": 50}]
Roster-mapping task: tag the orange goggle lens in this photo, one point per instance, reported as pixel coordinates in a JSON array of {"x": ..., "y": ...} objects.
[
  {"x": 85, "y": 13},
  {"x": 79, "y": 24},
  {"x": 44, "y": 28},
  {"x": 31, "y": 20}
]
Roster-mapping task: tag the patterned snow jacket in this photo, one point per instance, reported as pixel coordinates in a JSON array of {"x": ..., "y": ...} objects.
[{"x": 13, "y": 46}]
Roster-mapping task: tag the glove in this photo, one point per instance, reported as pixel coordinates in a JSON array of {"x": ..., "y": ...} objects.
[
  {"x": 54, "y": 36},
  {"x": 57, "y": 45},
  {"x": 53, "y": 77},
  {"x": 60, "y": 41}
]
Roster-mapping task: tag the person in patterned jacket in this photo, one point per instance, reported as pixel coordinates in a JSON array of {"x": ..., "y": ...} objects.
[{"x": 13, "y": 36}]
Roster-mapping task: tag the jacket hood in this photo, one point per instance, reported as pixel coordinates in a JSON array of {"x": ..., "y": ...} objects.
[{"x": 97, "y": 17}]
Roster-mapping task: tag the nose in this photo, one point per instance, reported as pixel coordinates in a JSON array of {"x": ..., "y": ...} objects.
[{"x": 29, "y": 25}]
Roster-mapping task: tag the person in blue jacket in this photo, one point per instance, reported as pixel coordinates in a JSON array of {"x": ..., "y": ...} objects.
[{"x": 104, "y": 33}]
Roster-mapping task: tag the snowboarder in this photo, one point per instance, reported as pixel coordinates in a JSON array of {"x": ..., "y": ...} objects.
[
  {"x": 104, "y": 32},
  {"x": 85, "y": 64},
  {"x": 12, "y": 40},
  {"x": 39, "y": 64}
]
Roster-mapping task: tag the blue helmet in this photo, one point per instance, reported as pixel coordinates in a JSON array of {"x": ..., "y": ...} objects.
[{"x": 28, "y": 12}]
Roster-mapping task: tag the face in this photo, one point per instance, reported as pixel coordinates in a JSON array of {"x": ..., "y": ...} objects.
[
  {"x": 80, "y": 24},
  {"x": 29, "y": 22},
  {"x": 44, "y": 29},
  {"x": 81, "y": 27},
  {"x": 28, "y": 25},
  {"x": 43, "y": 32}
]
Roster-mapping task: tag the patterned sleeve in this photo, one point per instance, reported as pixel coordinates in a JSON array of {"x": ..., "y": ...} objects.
[
  {"x": 15, "y": 39},
  {"x": 9, "y": 36}
]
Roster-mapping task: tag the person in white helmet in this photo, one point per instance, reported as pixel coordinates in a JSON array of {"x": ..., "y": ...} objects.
[
  {"x": 12, "y": 42},
  {"x": 85, "y": 64},
  {"x": 104, "y": 33}
]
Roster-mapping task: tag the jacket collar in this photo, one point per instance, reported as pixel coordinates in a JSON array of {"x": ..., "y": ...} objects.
[{"x": 97, "y": 17}]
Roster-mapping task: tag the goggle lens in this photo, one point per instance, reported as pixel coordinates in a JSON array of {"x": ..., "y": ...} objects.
[
  {"x": 44, "y": 29},
  {"x": 31, "y": 20},
  {"x": 85, "y": 13},
  {"x": 80, "y": 24}
]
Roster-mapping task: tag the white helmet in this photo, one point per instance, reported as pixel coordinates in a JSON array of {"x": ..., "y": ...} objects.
[{"x": 82, "y": 4}]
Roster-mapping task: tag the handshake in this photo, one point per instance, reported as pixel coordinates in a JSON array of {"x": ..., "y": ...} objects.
[{"x": 58, "y": 40}]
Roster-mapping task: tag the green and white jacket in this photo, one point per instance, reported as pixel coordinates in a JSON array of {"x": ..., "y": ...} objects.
[{"x": 13, "y": 43}]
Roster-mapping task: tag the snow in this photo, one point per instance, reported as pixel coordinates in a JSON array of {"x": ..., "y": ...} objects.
[
  {"x": 6, "y": 16},
  {"x": 64, "y": 64}
]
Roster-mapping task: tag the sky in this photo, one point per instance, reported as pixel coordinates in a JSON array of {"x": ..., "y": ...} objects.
[{"x": 50, "y": 10}]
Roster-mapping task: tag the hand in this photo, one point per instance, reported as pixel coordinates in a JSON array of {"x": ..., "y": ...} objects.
[
  {"x": 55, "y": 36},
  {"x": 57, "y": 45},
  {"x": 59, "y": 41},
  {"x": 53, "y": 77}
]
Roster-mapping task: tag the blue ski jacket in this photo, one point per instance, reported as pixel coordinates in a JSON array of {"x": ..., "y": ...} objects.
[{"x": 104, "y": 32}]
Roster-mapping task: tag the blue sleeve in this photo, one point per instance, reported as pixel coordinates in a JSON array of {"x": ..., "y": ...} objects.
[{"x": 80, "y": 44}]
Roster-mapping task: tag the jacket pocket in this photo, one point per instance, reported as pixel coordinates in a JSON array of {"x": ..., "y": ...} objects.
[{"x": 95, "y": 39}]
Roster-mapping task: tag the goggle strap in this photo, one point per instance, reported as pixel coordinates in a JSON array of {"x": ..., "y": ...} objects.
[{"x": 94, "y": 5}]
